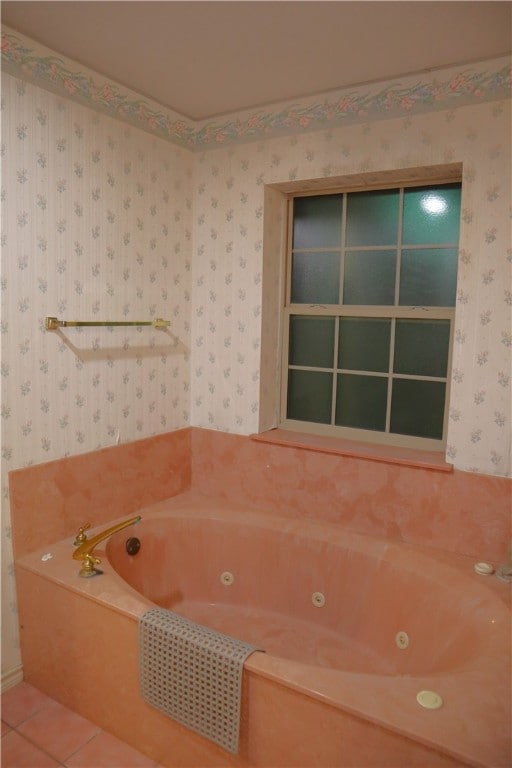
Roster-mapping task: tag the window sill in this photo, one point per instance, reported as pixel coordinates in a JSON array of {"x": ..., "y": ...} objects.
[{"x": 383, "y": 453}]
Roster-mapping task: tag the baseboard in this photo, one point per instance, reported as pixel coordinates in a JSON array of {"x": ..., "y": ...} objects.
[{"x": 12, "y": 678}]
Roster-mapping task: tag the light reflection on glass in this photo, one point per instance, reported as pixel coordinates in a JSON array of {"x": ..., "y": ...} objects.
[{"x": 434, "y": 204}]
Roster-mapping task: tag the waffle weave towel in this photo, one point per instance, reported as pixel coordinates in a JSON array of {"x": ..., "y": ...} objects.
[{"x": 193, "y": 674}]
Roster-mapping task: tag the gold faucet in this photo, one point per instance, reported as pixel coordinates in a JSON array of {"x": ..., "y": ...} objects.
[{"x": 84, "y": 550}]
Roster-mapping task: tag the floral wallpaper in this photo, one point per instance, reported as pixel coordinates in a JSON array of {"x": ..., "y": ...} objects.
[
  {"x": 102, "y": 220},
  {"x": 96, "y": 225}
]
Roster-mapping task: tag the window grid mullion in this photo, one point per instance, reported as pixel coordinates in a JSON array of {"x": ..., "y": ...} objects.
[
  {"x": 389, "y": 247},
  {"x": 390, "y": 374},
  {"x": 397, "y": 303},
  {"x": 399, "y": 248},
  {"x": 342, "y": 248},
  {"x": 336, "y": 356},
  {"x": 372, "y": 374},
  {"x": 335, "y": 369}
]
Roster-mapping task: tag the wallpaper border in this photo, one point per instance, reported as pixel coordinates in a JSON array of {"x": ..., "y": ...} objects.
[
  {"x": 429, "y": 91},
  {"x": 29, "y": 60}
]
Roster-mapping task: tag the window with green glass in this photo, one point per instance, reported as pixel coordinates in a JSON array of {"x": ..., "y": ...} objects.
[{"x": 371, "y": 286}]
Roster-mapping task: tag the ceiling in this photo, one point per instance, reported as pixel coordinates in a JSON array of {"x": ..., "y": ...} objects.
[{"x": 204, "y": 59}]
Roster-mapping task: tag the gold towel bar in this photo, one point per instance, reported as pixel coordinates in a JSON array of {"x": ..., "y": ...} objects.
[{"x": 52, "y": 324}]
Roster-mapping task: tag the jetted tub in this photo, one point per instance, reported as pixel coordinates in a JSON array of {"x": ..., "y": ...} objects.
[{"x": 353, "y": 629}]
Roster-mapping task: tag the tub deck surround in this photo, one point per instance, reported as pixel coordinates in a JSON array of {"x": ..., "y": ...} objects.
[
  {"x": 91, "y": 666},
  {"x": 358, "y": 708},
  {"x": 51, "y": 501},
  {"x": 460, "y": 512}
]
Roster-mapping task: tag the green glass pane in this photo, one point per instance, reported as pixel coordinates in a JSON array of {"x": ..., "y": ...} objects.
[
  {"x": 372, "y": 218},
  {"x": 361, "y": 401},
  {"x": 315, "y": 278},
  {"x": 431, "y": 215},
  {"x": 369, "y": 277},
  {"x": 417, "y": 408},
  {"x": 311, "y": 341},
  {"x": 421, "y": 347},
  {"x": 428, "y": 277},
  {"x": 309, "y": 396},
  {"x": 317, "y": 221},
  {"x": 364, "y": 344}
]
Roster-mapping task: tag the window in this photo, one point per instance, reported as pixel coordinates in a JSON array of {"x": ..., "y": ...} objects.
[{"x": 369, "y": 311}]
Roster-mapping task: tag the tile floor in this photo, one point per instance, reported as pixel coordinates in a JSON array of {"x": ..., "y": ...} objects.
[{"x": 38, "y": 732}]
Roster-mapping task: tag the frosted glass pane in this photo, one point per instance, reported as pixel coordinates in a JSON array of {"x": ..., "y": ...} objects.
[
  {"x": 311, "y": 341},
  {"x": 417, "y": 408},
  {"x": 309, "y": 396},
  {"x": 364, "y": 344},
  {"x": 315, "y": 278},
  {"x": 421, "y": 347},
  {"x": 369, "y": 277},
  {"x": 431, "y": 215},
  {"x": 317, "y": 221},
  {"x": 428, "y": 277},
  {"x": 361, "y": 401},
  {"x": 372, "y": 218}
]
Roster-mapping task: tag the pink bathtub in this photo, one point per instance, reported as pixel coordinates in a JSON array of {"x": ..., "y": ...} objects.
[{"x": 354, "y": 629}]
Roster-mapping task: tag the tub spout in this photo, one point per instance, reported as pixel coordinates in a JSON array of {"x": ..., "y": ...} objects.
[{"x": 85, "y": 550}]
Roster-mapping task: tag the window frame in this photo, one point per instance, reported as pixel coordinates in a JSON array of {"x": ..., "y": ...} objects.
[{"x": 287, "y": 310}]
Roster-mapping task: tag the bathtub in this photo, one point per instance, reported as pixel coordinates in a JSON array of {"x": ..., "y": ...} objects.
[{"x": 353, "y": 628}]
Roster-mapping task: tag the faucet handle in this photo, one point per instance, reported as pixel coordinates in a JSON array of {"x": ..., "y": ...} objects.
[
  {"x": 81, "y": 536},
  {"x": 89, "y": 566}
]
